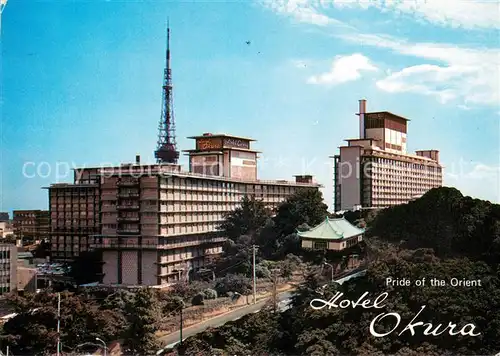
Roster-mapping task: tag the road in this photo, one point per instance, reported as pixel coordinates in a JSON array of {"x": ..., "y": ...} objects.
[
  {"x": 283, "y": 298},
  {"x": 220, "y": 320}
]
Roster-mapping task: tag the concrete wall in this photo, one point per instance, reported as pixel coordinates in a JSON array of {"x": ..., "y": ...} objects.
[
  {"x": 26, "y": 279},
  {"x": 149, "y": 267},
  {"x": 110, "y": 267},
  {"x": 349, "y": 176},
  {"x": 129, "y": 268}
]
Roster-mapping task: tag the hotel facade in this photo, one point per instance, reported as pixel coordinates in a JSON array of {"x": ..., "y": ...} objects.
[
  {"x": 375, "y": 170},
  {"x": 156, "y": 223}
]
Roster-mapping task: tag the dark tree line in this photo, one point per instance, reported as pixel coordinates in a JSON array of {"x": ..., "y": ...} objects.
[
  {"x": 446, "y": 221},
  {"x": 120, "y": 315}
]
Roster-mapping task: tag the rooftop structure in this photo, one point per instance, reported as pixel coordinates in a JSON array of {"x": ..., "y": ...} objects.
[{"x": 224, "y": 156}]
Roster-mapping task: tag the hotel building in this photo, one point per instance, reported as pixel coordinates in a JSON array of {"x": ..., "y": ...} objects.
[
  {"x": 375, "y": 170},
  {"x": 156, "y": 223}
]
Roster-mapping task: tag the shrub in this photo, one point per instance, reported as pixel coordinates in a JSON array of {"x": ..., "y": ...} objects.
[
  {"x": 188, "y": 290},
  {"x": 198, "y": 299},
  {"x": 210, "y": 293},
  {"x": 233, "y": 283},
  {"x": 262, "y": 272}
]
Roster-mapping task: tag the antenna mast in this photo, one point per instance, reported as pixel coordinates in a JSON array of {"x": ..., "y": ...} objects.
[
  {"x": 3, "y": 3},
  {"x": 166, "y": 150}
]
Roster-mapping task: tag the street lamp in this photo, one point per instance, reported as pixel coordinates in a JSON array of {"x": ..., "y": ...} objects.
[
  {"x": 331, "y": 268},
  {"x": 103, "y": 343},
  {"x": 180, "y": 332}
]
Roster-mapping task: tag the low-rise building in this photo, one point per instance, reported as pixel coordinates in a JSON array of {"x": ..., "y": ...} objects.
[
  {"x": 26, "y": 278},
  {"x": 331, "y": 234},
  {"x": 6, "y": 229}
]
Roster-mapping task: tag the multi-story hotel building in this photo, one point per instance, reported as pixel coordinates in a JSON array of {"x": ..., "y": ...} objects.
[
  {"x": 8, "y": 268},
  {"x": 375, "y": 170},
  {"x": 33, "y": 224},
  {"x": 155, "y": 223},
  {"x": 74, "y": 215}
]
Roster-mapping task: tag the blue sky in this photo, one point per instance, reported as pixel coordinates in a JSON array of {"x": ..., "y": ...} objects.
[{"x": 81, "y": 83}]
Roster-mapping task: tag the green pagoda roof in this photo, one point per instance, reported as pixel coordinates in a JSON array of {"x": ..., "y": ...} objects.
[{"x": 332, "y": 229}]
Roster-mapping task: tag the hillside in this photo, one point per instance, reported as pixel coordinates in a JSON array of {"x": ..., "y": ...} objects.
[{"x": 446, "y": 221}]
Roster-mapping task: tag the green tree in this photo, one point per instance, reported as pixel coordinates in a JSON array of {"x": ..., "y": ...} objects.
[
  {"x": 446, "y": 221},
  {"x": 306, "y": 206},
  {"x": 247, "y": 219},
  {"x": 33, "y": 329},
  {"x": 143, "y": 315}
]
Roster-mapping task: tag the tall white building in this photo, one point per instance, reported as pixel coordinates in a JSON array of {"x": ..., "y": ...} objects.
[{"x": 376, "y": 171}]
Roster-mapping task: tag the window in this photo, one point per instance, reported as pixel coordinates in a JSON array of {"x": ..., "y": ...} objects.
[{"x": 319, "y": 245}]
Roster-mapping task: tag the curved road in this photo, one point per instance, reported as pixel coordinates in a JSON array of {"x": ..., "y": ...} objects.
[
  {"x": 283, "y": 299},
  {"x": 174, "y": 338}
]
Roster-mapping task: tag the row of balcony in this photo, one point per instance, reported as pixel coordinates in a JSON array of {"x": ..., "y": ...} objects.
[
  {"x": 224, "y": 190},
  {"x": 154, "y": 245}
]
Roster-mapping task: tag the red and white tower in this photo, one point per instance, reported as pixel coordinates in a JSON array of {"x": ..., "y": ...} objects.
[{"x": 166, "y": 150}]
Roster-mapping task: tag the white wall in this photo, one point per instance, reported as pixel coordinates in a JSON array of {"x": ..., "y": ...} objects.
[{"x": 349, "y": 171}]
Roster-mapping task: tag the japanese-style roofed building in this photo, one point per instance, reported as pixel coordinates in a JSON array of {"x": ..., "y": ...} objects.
[{"x": 331, "y": 234}]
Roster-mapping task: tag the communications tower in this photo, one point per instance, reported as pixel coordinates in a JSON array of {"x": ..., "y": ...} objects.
[{"x": 166, "y": 149}]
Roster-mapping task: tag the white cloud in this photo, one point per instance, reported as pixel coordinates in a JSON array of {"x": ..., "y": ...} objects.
[
  {"x": 482, "y": 171},
  {"x": 467, "y": 74},
  {"x": 468, "y": 14},
  {"x": 464, "y": 107},
  {"x": 481, "y": 181},
  {"x": 344, "y": 69},
  {"x": 449, "y": 13},
  {"x": 304, "y": 11},
  {"x": 301, "y": 10}
]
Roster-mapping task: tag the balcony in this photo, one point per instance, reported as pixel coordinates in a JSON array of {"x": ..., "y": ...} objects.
[
  {"x": 117, "y": 245},
  {"x": 188, "y": 243},
  {"x": 128, "y": 231},
  {"x": 127, "y": 183},
  {"x": 128, "y": 195},
  {"x": 128, "y": 218},
  {"x": 128, "y": 207}
]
